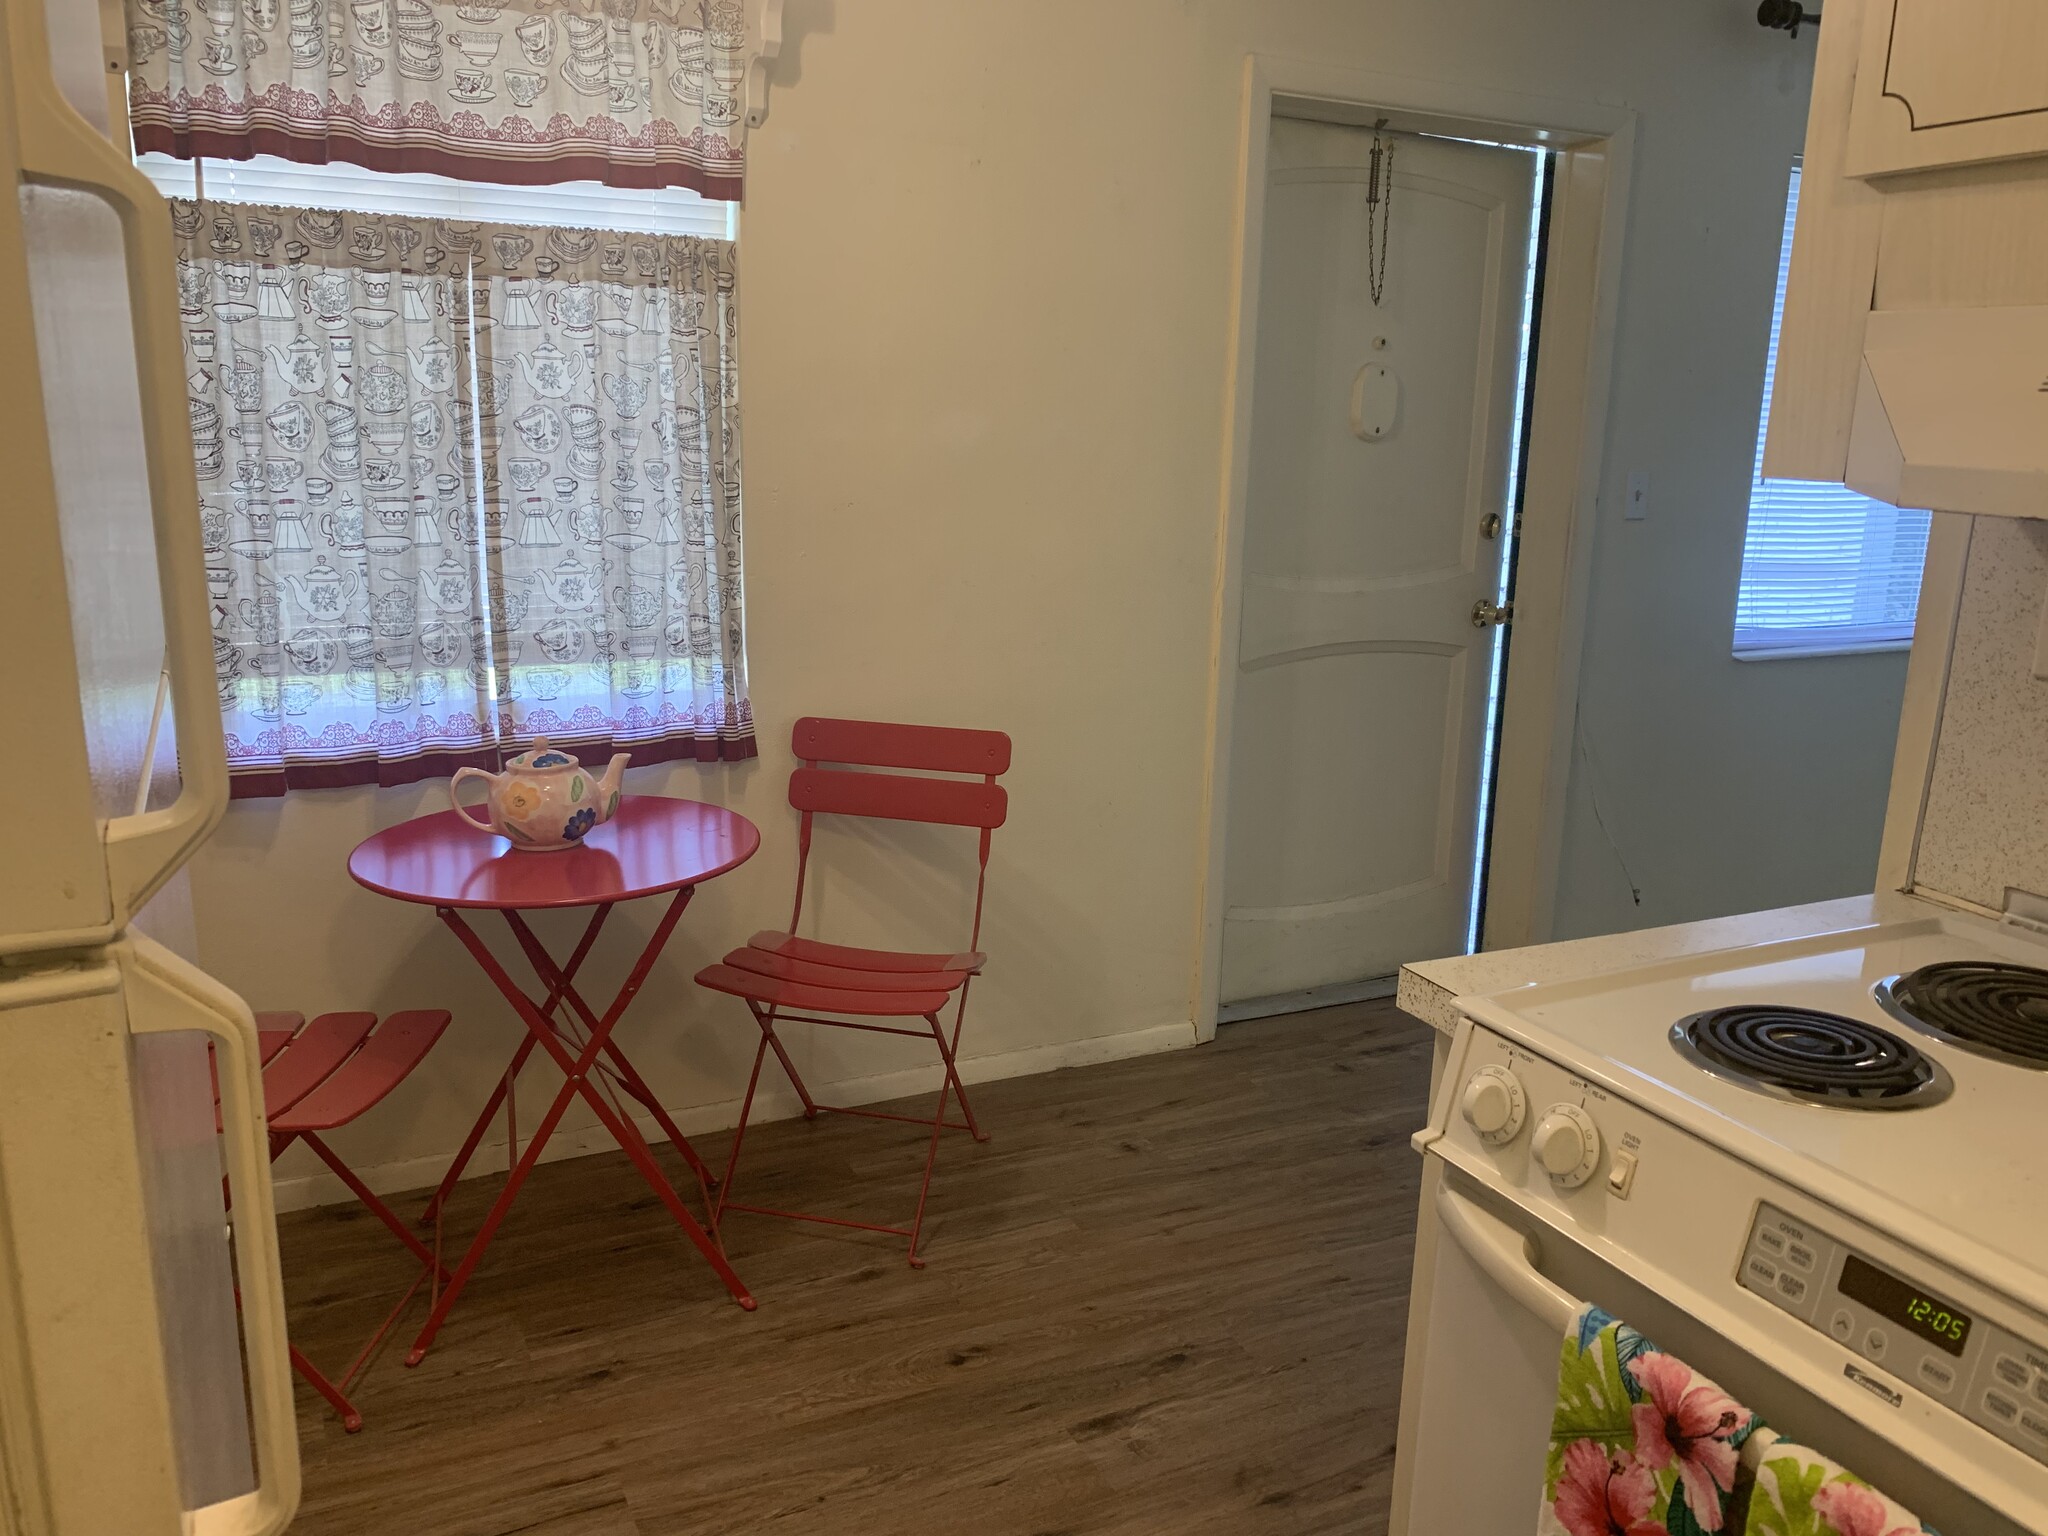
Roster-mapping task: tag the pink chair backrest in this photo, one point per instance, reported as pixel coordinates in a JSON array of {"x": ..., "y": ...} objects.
[
  {"x": 926, "y": 749},
  {"x": 900, "y": 796}
]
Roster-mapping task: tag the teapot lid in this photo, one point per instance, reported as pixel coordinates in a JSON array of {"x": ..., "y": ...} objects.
[{"x": 541, "y": 755}]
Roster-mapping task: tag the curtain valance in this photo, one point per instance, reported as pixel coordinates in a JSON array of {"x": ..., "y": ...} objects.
[{"x": 632, "y": 93}]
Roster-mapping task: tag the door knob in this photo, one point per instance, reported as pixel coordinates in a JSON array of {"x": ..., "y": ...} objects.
[{"x": 1486, "y": 613}]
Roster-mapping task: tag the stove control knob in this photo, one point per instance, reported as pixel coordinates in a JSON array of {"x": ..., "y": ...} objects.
[
  {"x": 1495, "y": 1105},
  {"x": 1567, "y": 1144}
]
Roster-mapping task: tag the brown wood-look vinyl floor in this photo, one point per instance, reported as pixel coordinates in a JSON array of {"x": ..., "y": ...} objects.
[{"x": 1167, "y": 1298}]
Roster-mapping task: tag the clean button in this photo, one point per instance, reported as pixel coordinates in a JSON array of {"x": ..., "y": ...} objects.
[
  {"x": 1937, "y": 1374},
  {"x": 1762, "y": 1271}
]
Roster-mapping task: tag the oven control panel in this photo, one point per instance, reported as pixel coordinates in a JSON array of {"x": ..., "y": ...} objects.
[{"x": 1913, "y": 1333}]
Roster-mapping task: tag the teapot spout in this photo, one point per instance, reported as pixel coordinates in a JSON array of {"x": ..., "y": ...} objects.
[{"x": 610, "y": 785}]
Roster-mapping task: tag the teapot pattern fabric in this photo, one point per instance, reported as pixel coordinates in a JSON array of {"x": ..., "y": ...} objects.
[
  {"x": 461, "y": 485},
  {"x": 649, "y": 93}
]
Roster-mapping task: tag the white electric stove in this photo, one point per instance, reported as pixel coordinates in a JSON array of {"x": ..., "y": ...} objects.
[{"x": 1817, "y": 1170}]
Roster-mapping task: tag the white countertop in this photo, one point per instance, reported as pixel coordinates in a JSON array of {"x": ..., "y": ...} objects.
[{"x": 1428, "y": 988}]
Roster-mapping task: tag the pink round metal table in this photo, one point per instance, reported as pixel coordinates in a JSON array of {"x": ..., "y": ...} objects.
[{"x": 653, "y": 846}]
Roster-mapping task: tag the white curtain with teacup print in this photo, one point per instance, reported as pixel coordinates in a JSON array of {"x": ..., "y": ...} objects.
[
  {"x": 607, "y": 386},
  {"x": 633, "y": 93},
  {"x": 462, "y": 485}
]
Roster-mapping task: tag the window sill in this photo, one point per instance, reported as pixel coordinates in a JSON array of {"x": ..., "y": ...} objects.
[{"x": 1799, "y": 652}]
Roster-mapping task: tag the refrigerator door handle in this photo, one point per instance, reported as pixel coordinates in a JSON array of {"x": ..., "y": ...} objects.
[
  {"x": 181, "y": 997},
  {"x": 59, "y": 148}
]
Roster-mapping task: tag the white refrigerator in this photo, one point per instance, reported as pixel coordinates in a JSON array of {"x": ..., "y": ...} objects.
[{"x": 144, "y": 1378}]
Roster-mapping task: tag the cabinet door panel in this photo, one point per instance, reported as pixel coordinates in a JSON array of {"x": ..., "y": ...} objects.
[{"x": 1947, "y": 85}]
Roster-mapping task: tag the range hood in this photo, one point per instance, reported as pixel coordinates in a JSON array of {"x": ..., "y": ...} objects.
[{"x": 1951, "y": 410}]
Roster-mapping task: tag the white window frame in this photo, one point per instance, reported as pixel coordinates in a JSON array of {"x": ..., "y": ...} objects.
[
  {"x": 1886, "y": 532},
  {"x": 567, "y": 205}
]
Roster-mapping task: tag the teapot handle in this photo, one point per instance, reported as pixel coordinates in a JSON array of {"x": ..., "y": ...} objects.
[{"x": 454, "y": 788}]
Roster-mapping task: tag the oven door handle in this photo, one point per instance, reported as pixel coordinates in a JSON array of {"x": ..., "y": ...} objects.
[{"x": 1508, "y": 1257}]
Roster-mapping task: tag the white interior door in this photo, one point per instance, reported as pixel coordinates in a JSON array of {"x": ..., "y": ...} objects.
[{"x": 1362, "y": 682}]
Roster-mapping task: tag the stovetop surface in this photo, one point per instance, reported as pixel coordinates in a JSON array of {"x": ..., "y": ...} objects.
[{"x": 1969, "y": 1171}]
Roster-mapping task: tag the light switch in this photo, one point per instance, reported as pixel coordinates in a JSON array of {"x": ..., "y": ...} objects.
[
  {"x": 1638, "y": 506},
  {"x": 1621, "y": 1173}
]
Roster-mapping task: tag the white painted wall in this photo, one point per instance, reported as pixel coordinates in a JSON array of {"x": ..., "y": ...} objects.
[
  {"x": 1716, "y": 786},
  {"x": 986, "y": 261}
]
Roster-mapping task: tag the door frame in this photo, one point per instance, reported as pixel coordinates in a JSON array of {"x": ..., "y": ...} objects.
[{"x": 1567, "y": 432}]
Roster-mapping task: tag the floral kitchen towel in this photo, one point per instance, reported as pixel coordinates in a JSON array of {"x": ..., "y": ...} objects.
[
  {"x": 1801, "y": 1493},
  {"x": 1640, "y": 1444}
]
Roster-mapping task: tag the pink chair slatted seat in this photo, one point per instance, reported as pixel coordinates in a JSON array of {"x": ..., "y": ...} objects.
[
  {"x": 785, "y": 979},
  {"x": 323, "y": 1075},
  {"x": 274, "y": 1032}
]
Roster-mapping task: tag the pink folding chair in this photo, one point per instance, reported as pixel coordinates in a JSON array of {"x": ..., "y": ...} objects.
[
  {"x": 784, "y": 979},
  {"x": 324, "y": 1075}
]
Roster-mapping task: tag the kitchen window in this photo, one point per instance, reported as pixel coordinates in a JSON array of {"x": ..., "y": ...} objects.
[
  {"x": 1825, "y": 571},
  {"x": 468, "y": 464}
]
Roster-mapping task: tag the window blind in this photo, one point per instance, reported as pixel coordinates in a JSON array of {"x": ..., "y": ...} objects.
[
  {"x": 350, "y": 188},
  {"x": 1824, "y": 570}
]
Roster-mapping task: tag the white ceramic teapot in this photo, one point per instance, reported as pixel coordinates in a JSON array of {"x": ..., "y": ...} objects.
[{"x": 545, "y": 800}]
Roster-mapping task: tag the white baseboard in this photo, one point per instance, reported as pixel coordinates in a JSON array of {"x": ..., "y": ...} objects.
[{"x": 323, "y": 1188}]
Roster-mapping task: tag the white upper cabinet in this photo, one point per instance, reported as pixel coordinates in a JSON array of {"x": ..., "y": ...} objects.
[
  {"x": 1941, "y": 83},
  {"x": 1913, "y": 355}
]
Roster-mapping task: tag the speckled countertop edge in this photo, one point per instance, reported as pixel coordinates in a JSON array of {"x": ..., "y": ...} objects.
[{"x": 1429, "y": 989}]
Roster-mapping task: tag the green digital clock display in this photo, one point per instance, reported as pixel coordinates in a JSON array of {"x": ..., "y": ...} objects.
[{"x": 1910, "y": 1307}]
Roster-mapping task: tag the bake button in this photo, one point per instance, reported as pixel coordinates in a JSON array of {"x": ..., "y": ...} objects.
[
  {"x": 1874, "y": 1343},
  {"x": 2001, "y": 1407},
  {"x": 2013, "y": 1373},
  {"x": 1938, "y": 1374},
  {"x": 1792, "y": 1287},
  {"x": 1842, "y": 1325},
  {"x": 1770, "y": 1241},
  {"x": 1761, "y": 1272},
  {"x": 1799, "y": 1256}
]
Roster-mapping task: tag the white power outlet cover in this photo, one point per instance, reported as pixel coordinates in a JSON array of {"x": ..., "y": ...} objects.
[{"x": 1375, "y": 402}]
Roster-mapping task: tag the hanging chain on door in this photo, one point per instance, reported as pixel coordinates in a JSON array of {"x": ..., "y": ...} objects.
[{"x": 1379, "y": 211}]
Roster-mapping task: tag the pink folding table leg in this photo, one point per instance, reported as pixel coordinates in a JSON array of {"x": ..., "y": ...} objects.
[
  {"x": 503, "y": 1089},
  {"x": 561, "y": 984},
  {"x": 576, "y": 1080},
  {"x": 311, "y": 1374}
]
